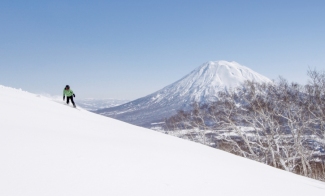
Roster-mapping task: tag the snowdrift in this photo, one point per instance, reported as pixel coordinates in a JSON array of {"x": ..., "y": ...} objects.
[{"x": 49, "y": 148}]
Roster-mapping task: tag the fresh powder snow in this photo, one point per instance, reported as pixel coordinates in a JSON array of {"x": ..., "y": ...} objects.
[
  {"x": 49, "y": 148},
  {"x": 201, "y": 85}
]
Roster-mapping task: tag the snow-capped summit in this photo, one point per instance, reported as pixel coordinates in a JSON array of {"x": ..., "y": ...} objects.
[
  {"x": 201, "y": 85},
  {"x": 224, "y": 74},
  {"x": 206, "y": 81}
]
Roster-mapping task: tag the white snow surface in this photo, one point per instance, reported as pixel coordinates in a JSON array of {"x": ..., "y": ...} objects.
[
  {"x": 201, "y": 85},
  {"x": 49, "y": 148}
]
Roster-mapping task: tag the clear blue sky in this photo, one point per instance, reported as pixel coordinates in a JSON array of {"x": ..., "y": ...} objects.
[{"x": 128, "y": 49}]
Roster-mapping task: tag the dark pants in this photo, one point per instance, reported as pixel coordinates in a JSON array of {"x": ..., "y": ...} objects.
[{"x": 68, "y": 98}]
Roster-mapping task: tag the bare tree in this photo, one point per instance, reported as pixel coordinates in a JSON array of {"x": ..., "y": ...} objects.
[{"x": 286, "y": 120}]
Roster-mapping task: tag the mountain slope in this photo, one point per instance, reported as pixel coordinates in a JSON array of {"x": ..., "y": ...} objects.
[
  {"x": 201, "y": 85},
  {"x": 48, "y": 148}
]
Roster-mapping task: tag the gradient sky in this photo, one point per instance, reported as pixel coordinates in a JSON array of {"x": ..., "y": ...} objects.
[{"x": 128, "y": 49}]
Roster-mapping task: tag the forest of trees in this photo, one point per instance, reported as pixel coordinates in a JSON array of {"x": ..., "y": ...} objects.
[{"x": 281, "y": 124}]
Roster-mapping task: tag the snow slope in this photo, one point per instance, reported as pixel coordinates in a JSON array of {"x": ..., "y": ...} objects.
[
  {"x": 201, "y": 85},
  {"x": 48, "y": 148}
]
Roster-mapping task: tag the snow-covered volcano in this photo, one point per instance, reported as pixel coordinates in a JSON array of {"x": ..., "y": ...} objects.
[
  {"x": 49, "y": 148},
  {"x": 201, "y": 85}
]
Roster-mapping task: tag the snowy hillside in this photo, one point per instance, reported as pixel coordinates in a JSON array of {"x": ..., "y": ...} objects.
[
  {"x": 49, "y": 148},
  {"x": 201, "y": 85}
]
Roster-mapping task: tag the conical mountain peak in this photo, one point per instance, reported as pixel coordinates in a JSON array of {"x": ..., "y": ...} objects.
[
  {"x": 218, "y": 75},
  {"x": 218, "y": 64},
  {"x": 201, "y": 85}
]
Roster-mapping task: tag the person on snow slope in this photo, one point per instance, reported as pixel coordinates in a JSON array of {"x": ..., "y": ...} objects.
[{"x": 69, "y": 93}]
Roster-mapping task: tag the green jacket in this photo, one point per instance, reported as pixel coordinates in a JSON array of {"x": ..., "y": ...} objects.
[{"x": 67, "y": 93}]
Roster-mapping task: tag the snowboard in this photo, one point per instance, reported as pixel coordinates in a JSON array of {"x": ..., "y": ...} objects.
[{"x": 71, "y": 106}]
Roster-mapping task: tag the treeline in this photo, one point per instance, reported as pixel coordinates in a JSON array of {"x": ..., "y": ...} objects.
[{"x": 286, "y": 124}]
